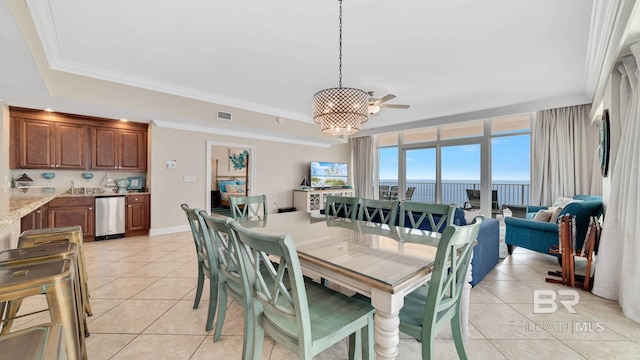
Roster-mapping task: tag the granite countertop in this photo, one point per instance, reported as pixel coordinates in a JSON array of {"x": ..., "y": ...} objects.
[{"x": 16, "y": 203}]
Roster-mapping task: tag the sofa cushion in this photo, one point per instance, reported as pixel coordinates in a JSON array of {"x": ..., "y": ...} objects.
[{"x": 543, "y": 215}]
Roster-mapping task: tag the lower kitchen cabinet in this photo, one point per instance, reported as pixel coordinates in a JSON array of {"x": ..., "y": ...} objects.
[
  {"x": 71, "y": 211},
  {"x": 138, "y": 215},
  {"x": 37, "y": 219}
]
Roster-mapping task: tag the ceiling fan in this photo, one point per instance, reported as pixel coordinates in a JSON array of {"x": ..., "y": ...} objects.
[{"x": 375, "y": 104}]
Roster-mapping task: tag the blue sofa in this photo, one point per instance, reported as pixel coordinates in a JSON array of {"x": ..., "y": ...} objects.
[
  {"x": 541, "y": 236},
  {"x": 485, "y": 253}
]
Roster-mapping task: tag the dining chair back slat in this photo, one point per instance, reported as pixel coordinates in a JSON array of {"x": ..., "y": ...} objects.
[
  {"x": 412, "y": 214},
  {"x": 429, "y": 308},
  {"x": 374, "y": 210},
  {"x": 341, "y": 206},
  {"x": 304, "y": 317},
  {"x": 247, "y": 206}
]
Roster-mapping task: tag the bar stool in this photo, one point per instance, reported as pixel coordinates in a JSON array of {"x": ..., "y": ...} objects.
[
  {"x": 69, "y": 233},
  {"x": 54, "y": 279},
  {"x": 43, "y": 253},
  {"x": 41, "y": 342}
]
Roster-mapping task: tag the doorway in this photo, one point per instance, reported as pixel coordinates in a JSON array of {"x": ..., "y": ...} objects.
[{"x": 227, "y": 163}]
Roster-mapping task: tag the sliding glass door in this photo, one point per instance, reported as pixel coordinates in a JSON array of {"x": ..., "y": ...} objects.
[
  {"x": 460, "y": 172},
  {"x": 420, "y": 174}
]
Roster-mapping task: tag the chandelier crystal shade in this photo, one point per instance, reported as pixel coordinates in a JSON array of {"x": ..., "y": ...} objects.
[{"x": 340, "y": 110}]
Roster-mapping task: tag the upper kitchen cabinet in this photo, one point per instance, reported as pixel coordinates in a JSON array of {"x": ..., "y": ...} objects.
[
  {"x": 43, "y": 140},
  {"x": 118, "y": 149},
  {"x": 47, "y": 144}
]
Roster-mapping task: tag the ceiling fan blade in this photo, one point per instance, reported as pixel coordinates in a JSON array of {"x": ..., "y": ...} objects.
[
  {"x": 394, "y": 106},
  {"x": 385, "y": 98}
]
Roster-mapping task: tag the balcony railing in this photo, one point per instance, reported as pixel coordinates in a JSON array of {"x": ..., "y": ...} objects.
[{"x": 455, "y": 193}]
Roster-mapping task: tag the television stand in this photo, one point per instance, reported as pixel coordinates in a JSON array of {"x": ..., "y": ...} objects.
[{"x": 312, "y": 201}]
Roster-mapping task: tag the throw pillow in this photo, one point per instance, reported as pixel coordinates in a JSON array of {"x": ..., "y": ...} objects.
[
  {"x": 235, "y": 189},
  {"x": 562, "y": 201},
  {"x": 555, "y": 212},
  {"x": 543, "y": 215}
]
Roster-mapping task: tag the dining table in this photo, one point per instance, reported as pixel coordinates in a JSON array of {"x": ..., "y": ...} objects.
[{"x": 382, "y": 262}]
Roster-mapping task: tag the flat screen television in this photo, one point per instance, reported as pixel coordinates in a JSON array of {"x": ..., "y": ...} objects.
[{"x": 329, "y": 174}]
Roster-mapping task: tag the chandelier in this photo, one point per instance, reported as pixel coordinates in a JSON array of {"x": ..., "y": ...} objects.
[{"x": 340, "y": 110}]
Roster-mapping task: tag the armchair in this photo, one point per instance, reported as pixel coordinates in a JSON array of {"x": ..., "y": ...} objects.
[{"x": 541, "y": 236}]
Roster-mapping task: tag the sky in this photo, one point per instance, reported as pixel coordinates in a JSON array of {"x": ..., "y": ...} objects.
[{"x": 510, "y": 161}]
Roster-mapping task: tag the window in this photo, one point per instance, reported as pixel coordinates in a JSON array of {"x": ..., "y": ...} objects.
[{"x": 442, "y": 162}]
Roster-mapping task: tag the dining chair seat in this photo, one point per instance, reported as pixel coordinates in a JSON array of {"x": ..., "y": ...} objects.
[{"x": 304, "y": 317}]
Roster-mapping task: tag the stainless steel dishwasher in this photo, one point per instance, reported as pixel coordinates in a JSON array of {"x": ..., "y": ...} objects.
[{"x": 110, "y": 213}]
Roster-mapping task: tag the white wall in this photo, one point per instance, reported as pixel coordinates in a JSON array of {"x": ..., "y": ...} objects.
[{"x": 278, "y": 169}]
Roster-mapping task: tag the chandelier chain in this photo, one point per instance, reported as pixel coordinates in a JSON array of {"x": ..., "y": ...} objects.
[{"x": 340, "y": 48}]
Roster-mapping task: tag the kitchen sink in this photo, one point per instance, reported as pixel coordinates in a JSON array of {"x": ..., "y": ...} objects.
[{"x": 85, "y": 191}]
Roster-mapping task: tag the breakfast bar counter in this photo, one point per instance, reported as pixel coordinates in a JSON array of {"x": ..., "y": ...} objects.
[{"x": 16, "y": 203}]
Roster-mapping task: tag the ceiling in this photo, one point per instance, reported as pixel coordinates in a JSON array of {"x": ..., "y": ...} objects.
[{"x": 178, "y": 62}]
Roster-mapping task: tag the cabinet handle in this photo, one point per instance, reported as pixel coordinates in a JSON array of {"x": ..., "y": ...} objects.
[
  {"x": 90, "y": 208},
  {"x": 128, "y": 205},
  {"x": 38, "y": 212}
]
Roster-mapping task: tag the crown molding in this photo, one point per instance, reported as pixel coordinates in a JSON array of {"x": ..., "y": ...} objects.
[{"x": 242, "y": 134}]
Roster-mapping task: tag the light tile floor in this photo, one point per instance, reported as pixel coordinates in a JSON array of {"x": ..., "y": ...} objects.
[{"x": 142, "y": 292}]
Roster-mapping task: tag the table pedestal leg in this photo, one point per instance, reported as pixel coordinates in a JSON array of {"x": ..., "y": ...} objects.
[{"x": 386, "y": 323}]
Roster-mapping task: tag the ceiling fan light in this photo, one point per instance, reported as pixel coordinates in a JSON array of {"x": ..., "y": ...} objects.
[{"x": 374, "y": 109}]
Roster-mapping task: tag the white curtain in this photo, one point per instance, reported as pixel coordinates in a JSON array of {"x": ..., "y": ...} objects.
[
  {"x": 564, "y": 155},
  {"x": 618, "y": 267},
  {"x": 363, "y": 158}
]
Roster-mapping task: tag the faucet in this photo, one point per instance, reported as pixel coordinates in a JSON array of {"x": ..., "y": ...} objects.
[{"x": 71, "y": 183}]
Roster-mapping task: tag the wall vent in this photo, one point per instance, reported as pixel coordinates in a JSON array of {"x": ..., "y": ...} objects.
[{"x": 224, "y": 115}]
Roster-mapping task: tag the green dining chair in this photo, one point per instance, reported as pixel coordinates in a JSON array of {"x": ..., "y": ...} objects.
[
  {"x": 439, "y": 216},
  {"x": 216, "y": 232},
  {"x": 304, "y": 317},
  {"x": 427, "y": 309},
  {"x": 207, "y": 263},
  {"x": 373, "y": 210},
  {"x": 341, "y": 206},
  {"x": 246, "y": 206}
]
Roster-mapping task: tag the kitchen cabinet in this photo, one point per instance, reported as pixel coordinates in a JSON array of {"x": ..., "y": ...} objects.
[
  {"x": 43, "y": 140},
  {"x": 37, "y": 219},
  {"x": 138, "y": 214},
  {"x": 45, "y": 144},
  {"x": 118, "y": 149},
  {"x": 71, "y": 211}
]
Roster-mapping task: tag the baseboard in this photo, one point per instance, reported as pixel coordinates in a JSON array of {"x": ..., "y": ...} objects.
[{"x": 169, "y": 230}]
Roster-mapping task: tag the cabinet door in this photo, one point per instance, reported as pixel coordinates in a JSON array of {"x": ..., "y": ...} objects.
[
  {"x": 71, "y": 149},
  {"x": 72, "y": 211},
  {"x": 104, "y": 148},
  {"x": 133, "y": 150},
  {"x": 36, "y": 144},
  {"x": 34, "y": 220},
  {"x": 137, "y": 215}
]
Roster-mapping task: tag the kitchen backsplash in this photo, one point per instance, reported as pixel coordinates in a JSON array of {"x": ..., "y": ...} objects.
[{"x": 63, "y": 178}]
